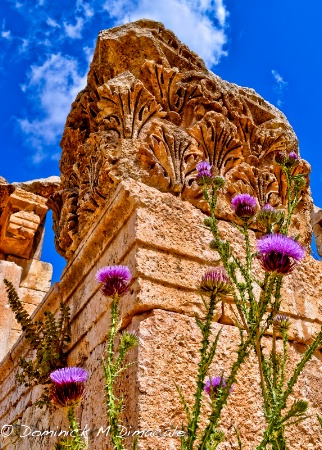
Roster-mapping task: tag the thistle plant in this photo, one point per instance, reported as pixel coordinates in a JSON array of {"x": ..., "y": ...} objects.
[
  {"x": 214, "y": 285},
  {"x": 278, "y": 255},
  {"x": 48, "y": 338},
  {"x": 67, "y": 392},
  {"x": 115, "y": 283}
]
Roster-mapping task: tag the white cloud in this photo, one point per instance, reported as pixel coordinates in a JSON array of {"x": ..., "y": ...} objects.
[
  {"x": 221, "y": 12},
  {"x": 74, "y": 31},
  {"x": 280, "y": 86},
  {"x": 89, "y": 51},
  {"x": 281, "y": 83},
  {"x": 52, "y": 23},
  {"x": 5, "y": 34},
  {"x": 198, "y": 23},
  {"x": 53, "y": 86},
  {"x": 24, "y": 45},
  {"x": 85, "y": 7}
]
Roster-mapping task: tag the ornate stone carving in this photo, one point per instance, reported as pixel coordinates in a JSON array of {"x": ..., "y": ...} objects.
[
  {"x": 151, "y": 111},
  {"x": 20, "y": 220}
]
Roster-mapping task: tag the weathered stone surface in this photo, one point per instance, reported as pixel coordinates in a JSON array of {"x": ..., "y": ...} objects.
[
  {"x": 11, "y": 272},
  {"x": 152, "y": 111},
  {"x": 168, "y": 354},
  {"x": 316, "y": 221},
  {"x": 20, "y": 220},
  {"x": 35, "y": 274},
  {"x": 45, "y": 187}
]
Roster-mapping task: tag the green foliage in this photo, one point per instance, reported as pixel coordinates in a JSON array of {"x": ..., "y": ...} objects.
[
  {"x": 113, "y": 366},
  {"x": 64, "y": 444},
  {"x": 48, "y": 338},
  {"x": 255, "y": 315}
]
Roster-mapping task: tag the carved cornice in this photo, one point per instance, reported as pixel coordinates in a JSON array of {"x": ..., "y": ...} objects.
[{"x": 154, "y": 123}]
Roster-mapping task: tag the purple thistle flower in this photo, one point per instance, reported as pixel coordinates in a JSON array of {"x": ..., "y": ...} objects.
[
  {"x": 267, "y": 207},
  {"x": 293, "y": 155},
  {"x": 213, "y": 384},
  {"x": 279, "y": 253},
  {"x": 115, "y": 279},
  {"x": 68, "y": 385},
  {"x": 204, "y": 175},
  {"x": 215, "y": 282},
  {"x": 244, "y": 205},
  {"x": 292, "y": 159},
  {"x": 69, "y": 375}
]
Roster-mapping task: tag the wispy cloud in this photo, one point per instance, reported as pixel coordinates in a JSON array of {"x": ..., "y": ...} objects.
[
  {"x": 53, "y": 86},
  {"x": 85, "y": 8},
  {"x": 52, "y": 23},
  {"x": 74, "y": 31},
  {"x": 279, "y": 86},
  {"x": 5, "y": 34},
  {"x": 201, "y": 24}
]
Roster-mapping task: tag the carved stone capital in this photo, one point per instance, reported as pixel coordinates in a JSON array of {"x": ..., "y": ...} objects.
[{"x": 151, "y": 111}]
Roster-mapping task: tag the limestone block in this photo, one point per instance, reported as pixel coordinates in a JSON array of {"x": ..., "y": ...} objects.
[
  {"x": 168, "y": 273},
  {"x": 35, "y": 274},
  {"x": 31, "y": 296},
  {"x": 21, "y": 218},
  {"x": 11, "y": 272},
  {"x": 168, "y": 354}
]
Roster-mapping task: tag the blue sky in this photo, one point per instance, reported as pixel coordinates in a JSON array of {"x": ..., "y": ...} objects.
[{"x": 272, "y": 46}]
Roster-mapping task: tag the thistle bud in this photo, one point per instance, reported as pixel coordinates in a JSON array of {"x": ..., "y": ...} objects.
[
  {"x": 204, "y": 175},
  {"x": 215, "y": 282},
  {"x": 281, "y": 322},
  {"x": 281, "y": 158},
  {"x": 244, "y": 205}
]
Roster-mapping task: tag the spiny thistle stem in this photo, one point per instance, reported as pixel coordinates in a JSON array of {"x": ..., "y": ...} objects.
[
  {"x": 242, "y": 353},
  {"x": 114, "y": 406},
  {"x": 78, "y": 442},
  {"x": 202, "y": 369}
]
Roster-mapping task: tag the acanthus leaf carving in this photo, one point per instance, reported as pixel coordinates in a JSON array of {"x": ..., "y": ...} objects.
[
  {"x": 258, "y": 182},
  {"x": 126, "y": 106},
  {"x": 216, "y": 138},
  {"x": 173, "y": 151},
  {"x": 185, "y": 98}
]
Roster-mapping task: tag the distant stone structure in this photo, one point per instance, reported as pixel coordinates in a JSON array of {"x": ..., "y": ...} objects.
[
  {"x": 23, "y": 207},
  {"x": 149, "y": 113}
]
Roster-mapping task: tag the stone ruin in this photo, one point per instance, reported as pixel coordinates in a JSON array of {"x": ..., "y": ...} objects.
[{"x": 127, "y": 195}]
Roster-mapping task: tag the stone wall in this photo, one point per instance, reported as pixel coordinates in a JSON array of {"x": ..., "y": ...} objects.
[{"x": 150, "y": 113}]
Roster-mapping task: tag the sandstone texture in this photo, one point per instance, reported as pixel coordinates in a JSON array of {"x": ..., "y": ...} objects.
[{"x": 150, "y": 112}]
